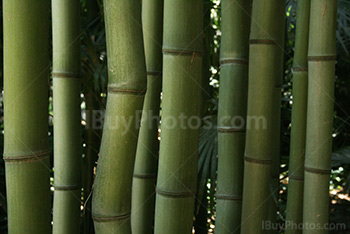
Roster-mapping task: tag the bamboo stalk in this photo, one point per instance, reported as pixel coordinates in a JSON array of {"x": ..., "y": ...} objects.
[
  {"x": 321, "y": 61},
  {"x": 111, "y": 204},
  {"x": 26, "y": 149},
  {"x": 67, "y": 127},
  {"x": 182, "y": 68},
  {"x": 143, "y": 195},
  {"x": 232, "y": 106},
  {"x": 278, "y": 73},
  {"x": 294, "y": 213},
  {"x": 265, "y": 66}
]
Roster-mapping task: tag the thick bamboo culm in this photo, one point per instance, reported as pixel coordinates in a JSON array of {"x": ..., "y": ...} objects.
[
  {"x": 182, "y": 68},
  {"x": 143, "y": 192},
  {"x": 111, "y": 204},
  {"x": 232, "y": 106},
  {"x": 26, "y": 148},
  {"x": 66, "y": 110},
  {"x": 321, "y": 61},
  {"x": 265, "y": 71},
  {"x": 294, "y": 214}
]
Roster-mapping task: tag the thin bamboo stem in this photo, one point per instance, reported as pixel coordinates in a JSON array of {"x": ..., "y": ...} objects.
[
  {"x": 182, "y": 68},
  {"x": 299, "y": 111},
  {"x": 143, "y": 195},
  {"x": 321, "y": 61},
  {"x": 66, "y": 110},
  {"x": 232, "y": 106},
  {"x": 265, "y": 71}
]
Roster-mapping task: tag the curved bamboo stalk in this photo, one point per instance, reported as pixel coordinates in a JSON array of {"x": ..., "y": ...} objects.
[
  {"x": 265, "y": 70},
  {"x": 26, "y": 152},
  {"x": 232, "y": 106},
  {"x": 182, "y": 68},
  {"x": 66, "y": 110},
  {"x": 111, "y": 204},
  {"x": 299, "y": 110},
  {"x": 321, "y": 61},
  {"x": 143, "y": 192}
]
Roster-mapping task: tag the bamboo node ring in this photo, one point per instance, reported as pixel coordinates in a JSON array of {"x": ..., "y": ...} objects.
[
  {"x": 300, "y": 69},
  {"x": 102, "y": 219},
  {"x": 258, "y": 161},
  {"x": 65, "y": 75},
  {"x": 126, "y": 91},
  {"x": 27, "y": 158},
  {"x": 145, "y": 176},
  {"x": 154, "y": 73},
  {"x": 317, "y": 171},
  {"x": 228, "y": 197},
  {"x": 174, "y": 194},
  {"x": 234, "y": 61}
]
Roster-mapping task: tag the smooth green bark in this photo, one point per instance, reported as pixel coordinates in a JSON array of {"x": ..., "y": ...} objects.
[
  {"x": 232, "y": 113},
  {"x": 182, "y": 68},
  {"x": 299, "y": 111},
  {"x": 26, "y": 152},
  {"x": 265, "y": 72},
  {"x": 143, "y": 191},
  {"x": 111, "y": 204},
  {"x": 66, "y": 110},
  {"x": 321, "y": 61}
]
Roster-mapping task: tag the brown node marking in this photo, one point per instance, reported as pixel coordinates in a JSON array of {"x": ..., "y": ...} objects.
[
  {"x": 174, "y": 194},
  {"x": 258, "y": 161},
  {"x": 27, "y": 158},
  {"x": 65, "y": 75},
  {"x": 103, "y": 219}
]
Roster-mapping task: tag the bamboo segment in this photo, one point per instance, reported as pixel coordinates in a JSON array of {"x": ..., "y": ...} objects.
[
  {"x": 26, "y": 152},
  {"x": 321, "y": 57},
  {"x": 111, "y": 204},
  {"x": 182, "y": 68},
  {"x": 299, "y": 110},
  {"x": 265, "y": 72},
  {"x": 66, "y": 103},
  {"x": 232, "y": 113},
  {"x": 143, "y": 195}
]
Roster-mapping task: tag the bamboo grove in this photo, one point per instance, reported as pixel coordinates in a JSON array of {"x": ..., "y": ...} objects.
[{"x": 154, "y": 63}]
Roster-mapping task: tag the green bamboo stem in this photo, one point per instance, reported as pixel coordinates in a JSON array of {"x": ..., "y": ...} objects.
[
  {"x": 66, "y": 110},
  {"x": 143, "y": 191},
  {"x": 26, "y": 152},
  {"x": 321, "y": 61},
  {"x": 299, "y": 110},
  {"x": 265, "y": 69},
  {"x": 182, "y": 68},
  {"x": 276, "y": 115},
  {"x": 232, "y": 104},
  {"x": 111, "y": 204}
]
